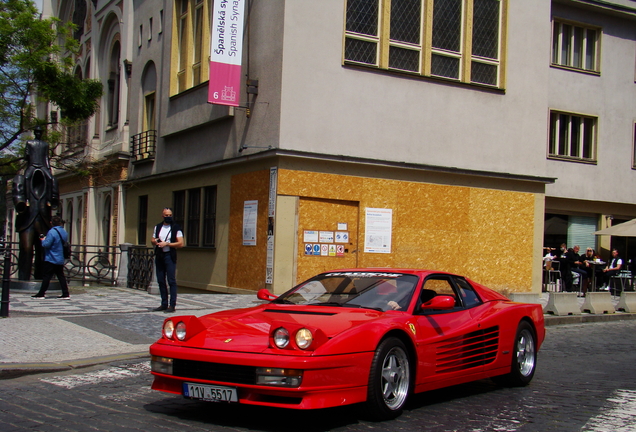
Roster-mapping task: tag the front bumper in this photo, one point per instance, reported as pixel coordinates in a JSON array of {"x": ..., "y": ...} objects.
[{"x": 328, "y": 381}]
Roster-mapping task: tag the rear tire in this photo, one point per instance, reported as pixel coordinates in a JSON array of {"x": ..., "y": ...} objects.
[
  {"x": 524, "y": 358},
  {"x": 389, "y": 380}
]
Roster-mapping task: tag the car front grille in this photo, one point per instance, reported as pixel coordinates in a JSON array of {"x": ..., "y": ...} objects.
[{"x": 228, "y": 373}]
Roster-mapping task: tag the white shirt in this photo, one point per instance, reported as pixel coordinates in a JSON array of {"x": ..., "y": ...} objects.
[{"x": 164, "y": 235}]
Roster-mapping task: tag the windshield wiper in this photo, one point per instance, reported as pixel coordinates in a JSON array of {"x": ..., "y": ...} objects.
[
  {"x": 283, "y": 301},
  {"x": 325, "y": 304}
]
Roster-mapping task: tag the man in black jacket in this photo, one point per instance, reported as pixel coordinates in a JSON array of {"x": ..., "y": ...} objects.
[
  {"x": 566, "y": 258},
  {"x": 167, "y": 237}
]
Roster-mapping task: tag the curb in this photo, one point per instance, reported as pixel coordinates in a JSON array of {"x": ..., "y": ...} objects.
[
  {"x": 551, "y": 320},
  {"x": 16, "y": 370}
]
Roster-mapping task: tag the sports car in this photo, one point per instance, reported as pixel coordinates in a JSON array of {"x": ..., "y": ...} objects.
[{"x": 372, "y": 336}]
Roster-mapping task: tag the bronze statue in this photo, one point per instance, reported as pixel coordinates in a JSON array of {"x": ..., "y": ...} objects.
[{"x": 35, "y": 193}]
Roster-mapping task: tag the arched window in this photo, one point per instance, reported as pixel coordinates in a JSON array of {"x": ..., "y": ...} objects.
[
  {"x": 68, "y": 218},
  {"x": 114, "y": 82},
  {"x": 78, "y": 220},
  {"x": 106, "y": 220}
]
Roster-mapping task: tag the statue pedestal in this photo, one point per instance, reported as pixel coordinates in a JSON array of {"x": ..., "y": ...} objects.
[{"x": 32, "y": 286}]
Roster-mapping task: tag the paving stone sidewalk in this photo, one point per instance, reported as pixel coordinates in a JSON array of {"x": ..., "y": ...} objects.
[{"x": 96, "y": 325}]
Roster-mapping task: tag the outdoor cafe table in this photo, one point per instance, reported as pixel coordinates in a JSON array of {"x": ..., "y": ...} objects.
[{"x": 594, "y": 264}]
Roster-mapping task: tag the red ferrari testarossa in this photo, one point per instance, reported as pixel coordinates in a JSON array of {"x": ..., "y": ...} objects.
[{"x": 371, "y": 335}]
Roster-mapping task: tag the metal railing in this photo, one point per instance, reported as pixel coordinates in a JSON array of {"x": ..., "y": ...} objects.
[
  {"x": 141, "y": 264},
  {"x": 87, "y": 264},
  {"x": 143, "y": 145}
]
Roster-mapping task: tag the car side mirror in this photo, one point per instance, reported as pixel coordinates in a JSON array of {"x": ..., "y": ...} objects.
[
  {"x": 440, "y": 302},
  {"x": 264, "y": 294}
]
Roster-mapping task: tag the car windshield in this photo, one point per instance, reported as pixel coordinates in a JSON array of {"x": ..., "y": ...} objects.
[{"x": 373, "y": 290}]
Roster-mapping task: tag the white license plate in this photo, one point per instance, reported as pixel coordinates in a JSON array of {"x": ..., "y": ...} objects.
[{"x": 210, "y": 392}]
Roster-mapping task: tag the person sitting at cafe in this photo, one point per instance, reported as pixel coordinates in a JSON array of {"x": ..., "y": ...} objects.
[
  {"x": 576, "y": 268},
  {"x": 587, "y": 264},
  {"x": 566, "y": 259},
  {"x": 613, "y": 268}
]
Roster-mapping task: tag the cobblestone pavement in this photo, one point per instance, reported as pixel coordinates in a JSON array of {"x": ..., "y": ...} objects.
[{"x": 584, "y": 383}]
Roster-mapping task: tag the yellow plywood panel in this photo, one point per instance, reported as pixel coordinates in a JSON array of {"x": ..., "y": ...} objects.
[
  {"x": 484, "y": 234},
  {"x": 247, "y": 264},
  {"x": 318, "y": 185},
  {"x": 324, "y": 215}
]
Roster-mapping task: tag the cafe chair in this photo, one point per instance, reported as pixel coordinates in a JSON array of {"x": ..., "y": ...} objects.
[
  {"x": 554, "y": 278},
  {"x": 620, "y": 282}
]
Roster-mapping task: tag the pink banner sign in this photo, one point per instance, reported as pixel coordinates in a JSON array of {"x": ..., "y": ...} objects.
[{"x": 228, "y": 17}]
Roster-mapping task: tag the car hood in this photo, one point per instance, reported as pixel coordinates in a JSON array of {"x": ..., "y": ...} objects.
[{"x": 249, "y": 330}]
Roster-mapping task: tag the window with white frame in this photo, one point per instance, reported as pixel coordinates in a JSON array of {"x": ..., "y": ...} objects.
[
  {"x": 190, "y": 44},
  {"x": 454, "y": 39},
  {"x": 575, "y": 46},
  {"x": 572, "y": 137}
]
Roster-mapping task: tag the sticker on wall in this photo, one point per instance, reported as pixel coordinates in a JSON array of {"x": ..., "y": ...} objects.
[
  {"x": 324, "y": 250},
  {"x": 273, "y": 184},
  {"x": 316, "y": 249},
  {"x": 309, "y": 249},
  {"x": 342, "y": 226},
  {"x": 310, "y": 236},
  {"x": 342, "y": 237},
  {"x": 339, "y": 250},
  {"x": 326, "y": 237},
  {"x": 332, "y": 250},
  {"x": 269, "y": 263}
]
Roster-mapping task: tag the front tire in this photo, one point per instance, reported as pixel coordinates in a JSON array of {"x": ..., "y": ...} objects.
[
  {"x": 389, "y": 380},
  {"x": 524, "y": 358}
]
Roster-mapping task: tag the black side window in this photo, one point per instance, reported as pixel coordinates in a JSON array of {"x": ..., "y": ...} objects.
[
  {"x": 467, "y": 294},
  {"x": 435, "y": 286}
]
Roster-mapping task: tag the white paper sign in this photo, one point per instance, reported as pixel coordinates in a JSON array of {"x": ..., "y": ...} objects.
[
  {"x": 250, "y": 211},
  {"x": 378, "y": 229}
]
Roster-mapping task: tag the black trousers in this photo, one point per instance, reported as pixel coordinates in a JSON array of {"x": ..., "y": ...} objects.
[{"x": 48, "y": 270}]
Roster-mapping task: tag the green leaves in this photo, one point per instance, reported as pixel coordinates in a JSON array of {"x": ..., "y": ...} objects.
[
  {"x": 77, "y": 98},
  {"x": 38, "y": 55}
]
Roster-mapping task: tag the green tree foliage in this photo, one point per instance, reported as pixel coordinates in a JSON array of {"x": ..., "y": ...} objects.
[{"x": 32, "y": 59}]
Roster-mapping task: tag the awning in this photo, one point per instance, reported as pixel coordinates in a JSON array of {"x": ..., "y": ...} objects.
[{"x": 625, "y": 229}]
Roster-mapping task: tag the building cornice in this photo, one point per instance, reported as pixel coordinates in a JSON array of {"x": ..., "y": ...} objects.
[
  {"x": 281, "y": 153},
  {"x": 612, "y": 7}
]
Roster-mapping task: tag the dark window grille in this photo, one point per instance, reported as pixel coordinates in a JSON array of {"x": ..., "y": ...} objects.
[
  {"x": 406, "y": 17},
  {"x": 447, "y": 24},
  {"x": 486, "y": 28},
  {"x": 143, "y": 220},
  {"x": 178, "y": 207},
  {"x": 209, "y": 216},
  {"x": 362, "y": 17},
  {"x": 194, "y": 217}
]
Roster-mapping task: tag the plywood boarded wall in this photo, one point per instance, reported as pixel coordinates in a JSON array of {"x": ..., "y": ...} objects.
[{"x": 484, "y": 234}]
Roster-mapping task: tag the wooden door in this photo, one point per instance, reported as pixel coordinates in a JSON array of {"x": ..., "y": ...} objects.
[{"x": 326, "y": 216}]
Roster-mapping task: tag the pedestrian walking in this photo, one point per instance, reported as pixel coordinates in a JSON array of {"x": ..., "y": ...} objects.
[
  {"x": 53, "y": 245},
  {"x": 167, "y": 238}
]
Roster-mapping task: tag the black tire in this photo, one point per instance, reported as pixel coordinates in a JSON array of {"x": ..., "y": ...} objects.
[
  {"x": 390, "y": 380},
  {"x": 524, "y": 358}
]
